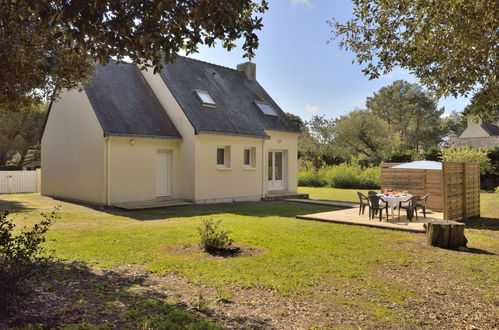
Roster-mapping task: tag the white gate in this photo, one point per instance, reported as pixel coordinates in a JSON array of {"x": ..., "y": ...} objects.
[{"x": 12, "y": 182}]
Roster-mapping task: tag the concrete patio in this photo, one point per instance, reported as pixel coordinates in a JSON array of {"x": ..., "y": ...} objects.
[
  {"x": 151, "y": 204},
  {"x": 350, "y": 216}
]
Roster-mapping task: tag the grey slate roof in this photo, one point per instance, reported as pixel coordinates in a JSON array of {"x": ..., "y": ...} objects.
[
  {"x": 492, "y": 129},
  {"x": 125, "y": 104},
  {"x": 235, "y": 113}
]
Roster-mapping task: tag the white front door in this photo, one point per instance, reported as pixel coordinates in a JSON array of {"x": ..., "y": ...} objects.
[
  {"x": 163, "y": 173},
  {"x": 276, "y": 170}
]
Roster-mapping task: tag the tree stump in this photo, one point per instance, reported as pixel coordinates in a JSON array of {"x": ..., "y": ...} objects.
[{"x": 445, "y": 234}]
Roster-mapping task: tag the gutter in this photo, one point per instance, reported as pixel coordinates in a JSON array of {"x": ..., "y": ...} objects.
[
  {"x": 108, "y": 171},
  {"x": 263, "y": 168}
]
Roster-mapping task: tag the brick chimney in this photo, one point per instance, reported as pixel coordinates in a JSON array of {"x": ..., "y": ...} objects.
[{"x": 249, "y": 69}]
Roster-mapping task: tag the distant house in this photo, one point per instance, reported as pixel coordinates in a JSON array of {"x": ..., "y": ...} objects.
[
  {"x": 196, "y": 131},
  {"x": 478, "y": 135}
]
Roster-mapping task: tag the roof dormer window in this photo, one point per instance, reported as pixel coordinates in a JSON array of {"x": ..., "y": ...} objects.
[
  {"x": 205, "y": 98},
  {"x": 266, "y": 109}
]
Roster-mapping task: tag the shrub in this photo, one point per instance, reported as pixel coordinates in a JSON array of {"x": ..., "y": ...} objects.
[
  {"x": 213, "y": 238},
  {"x": 310, "y": 178},
  {"x": 469, "y": 154},
  {"x": 22, "y": 257},
  {"x": 370, "y": 178},
  {"x": 345, "y": 176},
  {"x": 401, "y": 157}
]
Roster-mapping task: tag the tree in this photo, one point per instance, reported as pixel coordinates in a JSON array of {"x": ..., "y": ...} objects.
[
  {"x": 409, "y": 111},
  {"x": 451, "y": 46},
  {"x": 20, "y": 130},
  {"x": 316, "y": 141},
  {"x": 364, "y": 135},
  {"x": 47, "y": 45},
  {"x": 455, "y": 123}
]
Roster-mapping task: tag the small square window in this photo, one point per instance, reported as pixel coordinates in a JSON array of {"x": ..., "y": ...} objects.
[
  {"x": 223, "y": 157},
  {"x": 266, "y": 109},
  {"x": 249, "y": 158},
  {"x": 205, "y": 98}
]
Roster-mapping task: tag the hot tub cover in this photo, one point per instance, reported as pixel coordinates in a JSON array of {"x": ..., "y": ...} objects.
[{"x": 421, "y": 165}]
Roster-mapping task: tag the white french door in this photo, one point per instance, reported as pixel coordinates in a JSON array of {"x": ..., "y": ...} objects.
[
  {"x": 163, "y": 166},
  {"x": 276, "y": 170}
]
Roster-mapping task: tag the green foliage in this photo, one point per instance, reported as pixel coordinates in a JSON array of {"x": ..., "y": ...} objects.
[
  {"x": 434, "y": 154},
  {"x": 213, "y": 238},
  {"x": 20, "y": 130},
  {"x": 310, "y": 178},
  {"x": 469, "y": 154},
  {"x": 411, "y": 112},
  {"x": 346, "y": 175},
  {"x": 450, "y": 46},
  {"x": 364, "y": 135},
  {"x": 400, "y": 157},
  {"x": 48, "y": 45},
  {"x": 315, "y": 143},
  {"x": 22, "y": 257}
]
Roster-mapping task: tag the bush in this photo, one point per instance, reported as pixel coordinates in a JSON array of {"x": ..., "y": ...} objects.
[
  {"x": 213, "y": 238},
  {"x": 310, "y": 178},
  {"x": 10, "y": 168},
  {"x": 22, "y": 257},
  {"x": 345, "y": 175},
  {"x": 401, "y": 157},
  {"x": 469, "y": 154},
  {"x": 370, "y": 178}
]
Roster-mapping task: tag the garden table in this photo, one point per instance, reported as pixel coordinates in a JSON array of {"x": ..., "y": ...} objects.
[{"x": 394, "y": 200}]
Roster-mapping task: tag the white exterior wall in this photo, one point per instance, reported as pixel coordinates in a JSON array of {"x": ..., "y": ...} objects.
[
  {"x": 236, "y": 183},
  {"x": 187, "y": 147},
  {"x": 132, "y": 168},
  {"x": 73, "y": 151}
]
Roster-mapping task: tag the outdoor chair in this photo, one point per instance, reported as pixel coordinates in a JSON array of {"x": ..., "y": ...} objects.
[
  {"x": 363, "y": 202},
  {"x": 422, "y": 203},
  {"x": 410, "y": 206},
  {"x": 376, "y": 204},
  {"x": 370, "y": 193}
]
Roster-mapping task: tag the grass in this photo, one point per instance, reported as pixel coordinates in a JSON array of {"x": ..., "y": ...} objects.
[
  {"x": 302, "y": 257},
  {"x": 333, "y": 194}
]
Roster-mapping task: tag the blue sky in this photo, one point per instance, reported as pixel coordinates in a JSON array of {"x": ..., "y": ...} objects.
[{"x": 302, "y": 72}]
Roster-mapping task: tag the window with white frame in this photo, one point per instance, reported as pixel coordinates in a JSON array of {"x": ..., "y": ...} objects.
[
  {"x": 249, "y": 158},
  {"x": 266, "y": 109},
  {"x": 205, "y": 98},
  {"x": 223, "y": 157}
]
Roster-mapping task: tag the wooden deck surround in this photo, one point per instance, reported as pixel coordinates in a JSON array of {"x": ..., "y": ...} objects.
[{"x": 350, "y": 216}]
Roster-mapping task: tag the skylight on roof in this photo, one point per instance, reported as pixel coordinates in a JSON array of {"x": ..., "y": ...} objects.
[
  {"x": 266, "y": 109},
  {"x": 205, "y": 98}
]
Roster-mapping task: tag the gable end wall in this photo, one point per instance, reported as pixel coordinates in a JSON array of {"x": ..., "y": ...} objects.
[{"x": 73, "y": 151}]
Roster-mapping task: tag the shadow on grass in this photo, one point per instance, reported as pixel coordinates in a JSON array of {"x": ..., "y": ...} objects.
[
  {"x": 482, "y": 223},
  {"x": 73, "y": 294},
  {"x": 252, "y": 209},
  {"x": 479, "y": 251},
  {"x": 14, "y": 206}
]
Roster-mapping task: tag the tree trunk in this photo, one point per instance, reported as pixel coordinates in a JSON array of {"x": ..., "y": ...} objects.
[{"x": 446, "y": 234}]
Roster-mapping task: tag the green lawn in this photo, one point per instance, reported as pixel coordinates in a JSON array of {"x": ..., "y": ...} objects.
[{"x": 300, "y": 257}]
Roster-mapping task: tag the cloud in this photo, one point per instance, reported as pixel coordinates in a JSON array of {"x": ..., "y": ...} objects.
[
  {"x": 312, "y": 108},
  {"x": 307, "y": 3}
]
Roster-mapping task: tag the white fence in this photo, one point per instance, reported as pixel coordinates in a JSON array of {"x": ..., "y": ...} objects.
[{"x": 12, "y": 182}]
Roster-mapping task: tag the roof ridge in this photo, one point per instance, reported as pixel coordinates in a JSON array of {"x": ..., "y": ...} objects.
[{"x": 206, "y": 62}]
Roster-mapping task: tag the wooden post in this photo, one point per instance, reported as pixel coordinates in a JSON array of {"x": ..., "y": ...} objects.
[
  {"x": 465, "y": 183},
  {"x": 445, "y": 234},
  {"x": 445, "y": 191}
]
